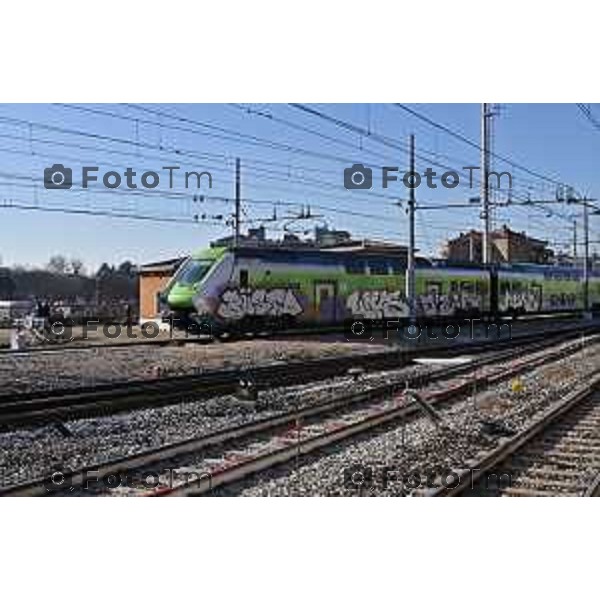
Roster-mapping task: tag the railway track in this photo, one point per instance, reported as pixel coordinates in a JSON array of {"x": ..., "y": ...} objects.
[
  {"x": 229, "y": 455},
  {"x": 59, "y": 405},
  {"x": 557, "y": 455},
  {"x": 174, "y": 340},
  {"x": 76, "y": 345}
]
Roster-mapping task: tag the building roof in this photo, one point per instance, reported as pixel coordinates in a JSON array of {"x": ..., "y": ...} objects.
[
  {"x": 504, "y": 232},
  {"x": 163, "y": 266}
]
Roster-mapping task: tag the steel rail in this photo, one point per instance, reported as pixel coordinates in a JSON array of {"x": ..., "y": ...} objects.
[
  {"x": 38, "y": 408},
  {"x": 511, "y": 447},
  {"x": 290, "y": 418}
]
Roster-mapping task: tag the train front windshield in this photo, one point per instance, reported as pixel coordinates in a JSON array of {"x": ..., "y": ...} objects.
[{"x": 193, "y": 271}]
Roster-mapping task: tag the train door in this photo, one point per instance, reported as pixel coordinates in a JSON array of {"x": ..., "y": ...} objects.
[
  {"x": 466, "y": 296},
  {"x": 431, "y": 303},
  {"x": 493, "y": 294},
  {"x": 325, "y": 301},
  {"x": 535, "y": 298}
]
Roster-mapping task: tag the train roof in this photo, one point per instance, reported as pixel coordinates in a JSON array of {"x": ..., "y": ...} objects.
[
  {"x": 212, "y": 253},
  {"x": 325, "y": 255},
  {"x": 538, "y": 268},
  {"x": 344, "y": 254},
  {"x": 511, "y": 267}
]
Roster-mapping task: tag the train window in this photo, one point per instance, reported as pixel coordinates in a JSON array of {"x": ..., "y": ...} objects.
[
  {"x": 193, "y": 271},
  {"x": 356, "y": 267},
  {"x": 434, "y": 288},
  {"x": 397, "y": 267},
  {"x": 378, "y": 267},
  {"x": 243, "y": 278}
]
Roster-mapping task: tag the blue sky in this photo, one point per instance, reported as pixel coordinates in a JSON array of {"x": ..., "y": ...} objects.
[{"x": 290, "y": 159}]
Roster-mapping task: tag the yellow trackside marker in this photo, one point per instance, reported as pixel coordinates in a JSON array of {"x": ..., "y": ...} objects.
[{"x": 516, "y": 385}]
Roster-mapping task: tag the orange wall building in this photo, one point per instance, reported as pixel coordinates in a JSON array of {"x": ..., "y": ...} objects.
[{"x": 153, "y": 278}]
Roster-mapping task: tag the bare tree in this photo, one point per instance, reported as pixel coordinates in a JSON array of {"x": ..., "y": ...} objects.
[
  {"x": 57, "y": 264},
  {"x": 76, "y": 265},
  {"x": 127, "y": 268}
]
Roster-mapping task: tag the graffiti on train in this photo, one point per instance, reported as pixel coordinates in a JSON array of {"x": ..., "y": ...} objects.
[
  {"x": 526, "y": 300},
  {"x": 433, "y": 304},
  {"x": 377, "y": 304},
  {"x": 558, "y": 301},
  {"x": 238, "y": 303}
]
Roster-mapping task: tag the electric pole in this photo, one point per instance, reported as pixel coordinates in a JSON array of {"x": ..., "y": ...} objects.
[
  {"x": 586, "y": 204},
  {"x": 586, "y": 256},
  {"x": 485, "y": 168},
  {"x": 410, "y": 267},
  {"x": 237, "y": 201},
  {"x": 574, "y": 241}
]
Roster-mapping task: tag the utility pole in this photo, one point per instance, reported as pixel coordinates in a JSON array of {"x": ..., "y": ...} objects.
[
  {"x": 586, "y": 255},
  {"x": 574, "y": 241},
  {"x": 485, "y": 168},
  {"x": 237, "y": 202},
  {"x": 410, "y": 267}
]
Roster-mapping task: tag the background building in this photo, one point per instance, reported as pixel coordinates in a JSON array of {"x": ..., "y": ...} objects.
[
  {"x": 507, "y": 246},
  {"x": 153, "y": 277}
]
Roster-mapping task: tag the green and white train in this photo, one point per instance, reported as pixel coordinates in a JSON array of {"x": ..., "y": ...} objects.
[{"x": 249, "y": 287}]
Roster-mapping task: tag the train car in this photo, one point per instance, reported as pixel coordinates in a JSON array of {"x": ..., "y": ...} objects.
[
  {"x": 236, "y": 289},
  {"x": 285, "y": 287},
  {"x": 186, "y": 281},
  {"x": 594, "y": 291},
  {"x": 301, "y": 287},
  {"x": 449, "y": 291},
  {"x": 275, "y": 287},
  {"x": 540, "y": 289}
]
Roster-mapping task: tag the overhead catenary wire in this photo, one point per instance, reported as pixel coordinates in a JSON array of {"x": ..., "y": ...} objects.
[
  {"x": 271, "y": 174},
  {"x": 476, "y": 145}
]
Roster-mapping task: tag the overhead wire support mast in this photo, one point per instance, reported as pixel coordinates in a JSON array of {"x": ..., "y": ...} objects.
[
  {"x": 586, "y": 257},
  {"x": 486, "y": 114},
  {"x": 238, "y": 201},
  {"x": 586, "y": 204},
  {"x": 410, "y": 267}
]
